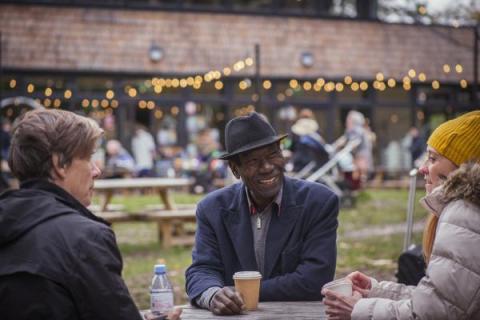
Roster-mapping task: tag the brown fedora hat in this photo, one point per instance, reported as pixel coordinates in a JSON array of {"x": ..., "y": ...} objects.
[{"x": 248, "y": 132}]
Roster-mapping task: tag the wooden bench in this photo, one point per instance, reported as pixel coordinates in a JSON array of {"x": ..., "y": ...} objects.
[
  {"x": 170, "y": 225},
  {"x": 159, "y": 207},
  {"x": 117, "y": 216},
  {"x": 110, "y": 208}
]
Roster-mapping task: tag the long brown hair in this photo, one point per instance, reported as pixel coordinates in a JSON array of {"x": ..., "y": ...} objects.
[
  {"x": 462, "y": 183},
  {"x": 429, "y": 236}
]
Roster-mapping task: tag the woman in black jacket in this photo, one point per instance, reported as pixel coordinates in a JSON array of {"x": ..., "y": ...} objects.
[{"x": 58, "y": 260}]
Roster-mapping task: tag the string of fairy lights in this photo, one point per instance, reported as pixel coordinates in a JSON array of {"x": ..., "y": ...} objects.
[{"x": 214, "y": 79}]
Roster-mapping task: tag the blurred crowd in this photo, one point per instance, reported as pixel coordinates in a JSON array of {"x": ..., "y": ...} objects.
[
  {"x": 150, "y": 158},
  {"x": 350, "y": 156}
]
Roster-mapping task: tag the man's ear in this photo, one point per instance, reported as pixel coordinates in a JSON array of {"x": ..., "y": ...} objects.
[
  {"x": 58, "y": 171},
  {"x": 234, "y": 169}
]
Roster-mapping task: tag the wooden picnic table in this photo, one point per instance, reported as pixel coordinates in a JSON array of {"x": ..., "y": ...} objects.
[
  {"x": 170, "y": 222},
  {"x": 298, "y": 310},
  {"x": 161, "y": 185},
  {"x": 169, "y": 218}
]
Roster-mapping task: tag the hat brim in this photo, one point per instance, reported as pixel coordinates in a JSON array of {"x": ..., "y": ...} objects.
[{"x": 251, "y": 146}]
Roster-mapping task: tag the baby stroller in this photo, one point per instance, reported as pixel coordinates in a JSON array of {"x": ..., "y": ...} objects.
[
  {"x": 337, "y": 173},
  {"x": 314, "y": 160},
  {"x": 308, "y": 147},
  {"x": 309, "y": 154}
]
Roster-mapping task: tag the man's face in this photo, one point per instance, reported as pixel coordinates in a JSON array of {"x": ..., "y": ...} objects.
[
  {"x": 78, "y": 179},
  {"x": 262, "y": 172}
]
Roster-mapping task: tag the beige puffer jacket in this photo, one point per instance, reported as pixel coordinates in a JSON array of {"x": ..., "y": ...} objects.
[{"x": 451, "y": 288}]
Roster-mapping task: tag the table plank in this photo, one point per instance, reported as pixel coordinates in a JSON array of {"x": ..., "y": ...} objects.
[
  {"x": 135, "y": 183},
  {"x": 267, "y": 310},
  {"x": 161, "y": 185}
]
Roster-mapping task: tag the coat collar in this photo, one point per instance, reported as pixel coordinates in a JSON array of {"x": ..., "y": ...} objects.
[
  {"x": 434, "y": 202},
  {"x": 238, "y": 223},
  {"x": 61, "y": 195}
]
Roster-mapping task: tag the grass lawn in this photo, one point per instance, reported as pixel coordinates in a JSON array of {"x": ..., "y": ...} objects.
[{"x": 375, "y": 256}]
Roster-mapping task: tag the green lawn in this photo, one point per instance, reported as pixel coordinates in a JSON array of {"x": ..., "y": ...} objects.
[{"x": 374, "y": 255}]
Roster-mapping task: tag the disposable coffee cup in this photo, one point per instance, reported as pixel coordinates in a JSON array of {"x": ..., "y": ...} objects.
[
  {"x": 248, "y": 284},
  {"x": 342, "y": 286}
]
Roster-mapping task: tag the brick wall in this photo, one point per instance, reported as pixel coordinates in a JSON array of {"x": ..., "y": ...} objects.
[{"x": 43, "y": 37}]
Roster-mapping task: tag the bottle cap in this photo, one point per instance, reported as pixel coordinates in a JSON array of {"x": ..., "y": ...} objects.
[{"x": 160, "y": 268}]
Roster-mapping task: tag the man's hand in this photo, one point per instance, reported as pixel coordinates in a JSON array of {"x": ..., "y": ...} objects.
[
  {"x": 227, "y": 301},
  {"x": 172, "y": 315}
]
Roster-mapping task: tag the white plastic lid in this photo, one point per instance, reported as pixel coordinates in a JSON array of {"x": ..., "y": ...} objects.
[{"x": 247, "y": 275}]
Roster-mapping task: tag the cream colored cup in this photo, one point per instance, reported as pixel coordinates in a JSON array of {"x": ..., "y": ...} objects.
[
  {"x": 342, "y": 286},
  {"x": 248, "y": 284}
]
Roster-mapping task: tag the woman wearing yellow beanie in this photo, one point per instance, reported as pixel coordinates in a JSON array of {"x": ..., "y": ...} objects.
[{"x": 451, "y": 287}]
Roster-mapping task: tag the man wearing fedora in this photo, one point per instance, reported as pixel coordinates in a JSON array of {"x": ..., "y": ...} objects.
[{"x": 282, "y": 227}]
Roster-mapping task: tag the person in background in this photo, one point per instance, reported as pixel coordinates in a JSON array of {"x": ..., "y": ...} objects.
[
  {"x": 120, "y": 163},
  {"x": 308, "y": 146},
  {"x": 5, "y": 146},
  {"x": 5, "y": 138},
  {"x": 415, "y": 145},
  {"x": 208, "y": 167},
  {"x": 144, "y": 151},
  {"x": 282, "y": 227},
  {"x": 450, "y": 289},
  {"x": 362, "y": 155}
]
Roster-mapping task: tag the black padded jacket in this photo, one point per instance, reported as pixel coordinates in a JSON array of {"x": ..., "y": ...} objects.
[{"x": 57, "y": 259}]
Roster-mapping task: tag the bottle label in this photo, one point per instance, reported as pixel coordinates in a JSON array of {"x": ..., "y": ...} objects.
[{"x": 161, "y": 300}]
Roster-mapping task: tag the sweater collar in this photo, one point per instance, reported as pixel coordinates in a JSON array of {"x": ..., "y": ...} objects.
[{"x": 276, "y": 202}]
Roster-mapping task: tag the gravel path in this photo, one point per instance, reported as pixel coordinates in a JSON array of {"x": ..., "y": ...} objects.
[{"x": 374, "y": 231}]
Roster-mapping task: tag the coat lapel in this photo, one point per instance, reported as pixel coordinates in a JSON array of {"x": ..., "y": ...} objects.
[
  {"x": 280, "y": 227},
  {"x": 237, "y": 222}
]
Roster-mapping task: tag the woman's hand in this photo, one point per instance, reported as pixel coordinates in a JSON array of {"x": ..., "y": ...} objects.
[
  {"x": 361, "y": 283},
  {"x": 339, "y": 307}
]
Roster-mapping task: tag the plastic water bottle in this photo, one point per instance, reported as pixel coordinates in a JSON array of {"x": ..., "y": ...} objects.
[{"x": 161, "y": 291}]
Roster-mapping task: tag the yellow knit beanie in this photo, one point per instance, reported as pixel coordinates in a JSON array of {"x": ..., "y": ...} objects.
[{"x": 459, "y": 139}]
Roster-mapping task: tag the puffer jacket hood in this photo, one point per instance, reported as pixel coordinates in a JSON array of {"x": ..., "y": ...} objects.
[
  {"x": 23, "y": 209},
  {"x": 462, "y": 184}
]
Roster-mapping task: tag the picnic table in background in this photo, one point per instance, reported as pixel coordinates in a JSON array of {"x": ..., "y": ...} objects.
[
  {"x": 167, "y": 216},
  {"x": 298, "y": 310},
  {"x": 161, "y": 185}
]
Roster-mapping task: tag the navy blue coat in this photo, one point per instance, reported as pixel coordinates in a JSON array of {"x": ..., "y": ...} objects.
[{"x": 300, "y": 253}]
